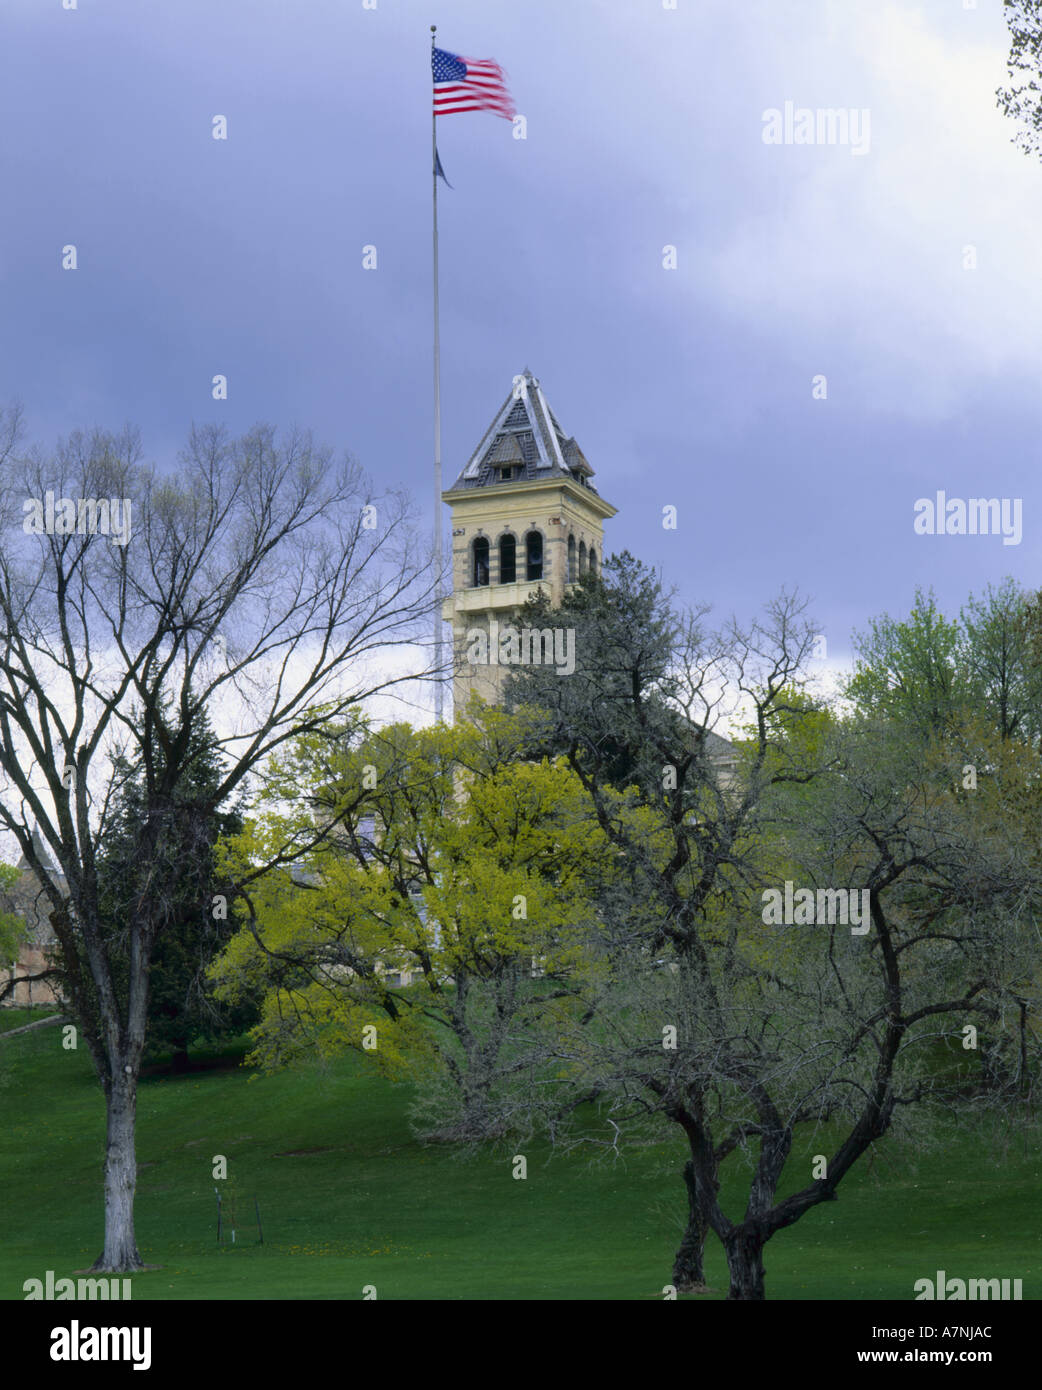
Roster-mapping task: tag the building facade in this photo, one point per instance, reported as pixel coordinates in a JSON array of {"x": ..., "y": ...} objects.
[{"x": 27, "y": 900}]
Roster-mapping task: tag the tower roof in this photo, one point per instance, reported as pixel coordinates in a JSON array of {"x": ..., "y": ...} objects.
[
  {"x": 43, "y": 857},
  {"x": 526, "y": 435}
]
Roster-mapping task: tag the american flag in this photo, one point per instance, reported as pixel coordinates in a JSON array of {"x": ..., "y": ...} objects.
[{"x": 469, "y": 84}]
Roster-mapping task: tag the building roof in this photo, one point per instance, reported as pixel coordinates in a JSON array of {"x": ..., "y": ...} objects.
[
  {"x": 55, "y": 875},
  {"x": 28, "y": 895},
  {"x": 721, "y": 750},
  {"x": 525, "y": 434}
]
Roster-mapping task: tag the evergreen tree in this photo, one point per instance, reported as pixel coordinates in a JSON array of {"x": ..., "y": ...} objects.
[
  {"x": 624, "y": 623},
  {"x": 181, "y": 1007}
]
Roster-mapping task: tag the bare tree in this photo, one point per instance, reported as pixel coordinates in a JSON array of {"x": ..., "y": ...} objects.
[
  {"x": 734, "y": 1027},
  {"x": 261, "y": 580},
  {"x": 824, "y": 1020},
  {"x": 650, "y": 686}
]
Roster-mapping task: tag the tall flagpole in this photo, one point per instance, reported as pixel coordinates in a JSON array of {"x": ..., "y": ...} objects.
[{"x": 439, "y": 697}]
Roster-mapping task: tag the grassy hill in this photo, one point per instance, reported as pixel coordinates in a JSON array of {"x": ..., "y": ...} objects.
[{"x": 348, "y": 1198}]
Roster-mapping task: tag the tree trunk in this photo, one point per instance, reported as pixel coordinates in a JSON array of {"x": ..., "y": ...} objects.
[
  {"x": 476, "y": 1121},
  {"x": 744, "y": 1247},
  {"x": 120, "y": 1255},
  {"x": 989, "y": 1071},
  {"x": 998, "y": 1073},
  {"x": 1025, "y": 1073},
  {"x": 688, "y": 1266}
]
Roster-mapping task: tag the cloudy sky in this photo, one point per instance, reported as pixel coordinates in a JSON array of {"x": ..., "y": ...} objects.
[{"x": 690, "y": 387}]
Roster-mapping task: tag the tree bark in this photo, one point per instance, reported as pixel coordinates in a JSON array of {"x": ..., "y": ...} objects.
[
  {"x": 744, "y": 1248},
  {"x": 1025, "y": 1073},
  {"x": 998, "y": 1073},
  {"x": 120, "y": 1255},
  {"x": 689, "y": 1266}
]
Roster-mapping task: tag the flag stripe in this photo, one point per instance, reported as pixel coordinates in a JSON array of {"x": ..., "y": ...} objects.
[
  {"x": 463, "y": 94},
  {"x": 466, "y": 103}
]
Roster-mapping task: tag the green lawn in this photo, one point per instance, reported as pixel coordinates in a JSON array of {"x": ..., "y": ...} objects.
[
  {"x": 365, "y": 1204},
  {"x": 18, "y": 1018}
]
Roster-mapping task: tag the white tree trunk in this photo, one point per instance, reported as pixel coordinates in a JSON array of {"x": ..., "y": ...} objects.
[{"x": 121, "y": 1253}]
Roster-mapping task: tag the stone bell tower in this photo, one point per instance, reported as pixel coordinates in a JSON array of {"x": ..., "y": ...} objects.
[{"x": 525, "y": 518}]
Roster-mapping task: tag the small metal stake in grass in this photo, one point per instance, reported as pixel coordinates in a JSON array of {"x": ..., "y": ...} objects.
[
  {"x": 260, "y": 1229},
  {"x": 218, "y": 1191}
]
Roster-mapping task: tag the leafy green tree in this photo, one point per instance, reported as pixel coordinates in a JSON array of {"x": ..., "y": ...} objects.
[
  {"x": 942, "y": 676},
  {"x": 974, "y": 687},
  {"x": 1001, "y": 658},
  {"x": 912, "y": 671},
  {"x": 441, "y": 928}
]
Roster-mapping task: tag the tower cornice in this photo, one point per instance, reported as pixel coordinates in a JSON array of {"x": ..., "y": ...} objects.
[{"x": 585, "y": 496}]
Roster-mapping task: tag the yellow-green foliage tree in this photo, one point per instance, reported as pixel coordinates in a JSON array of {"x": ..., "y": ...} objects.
[
  {"x": 442, "y": 931},
  {"x": 14, "y": 929}
]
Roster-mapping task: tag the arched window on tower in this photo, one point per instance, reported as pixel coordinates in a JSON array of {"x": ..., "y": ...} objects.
[
  {"x": 533, "y": 556},
  {"x": 479, "y": 575},
  {"x": 582, "y": 557},
  {"x": 507, "y": 560},
  {"x": 593, "y": 561},
  {"x": 571, "y": 561}
]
